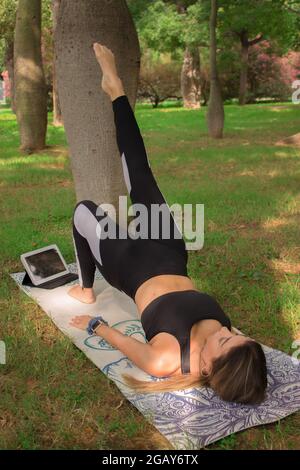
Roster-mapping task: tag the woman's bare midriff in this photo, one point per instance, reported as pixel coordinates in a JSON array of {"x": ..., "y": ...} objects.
[{"x": 159, "y": 285}]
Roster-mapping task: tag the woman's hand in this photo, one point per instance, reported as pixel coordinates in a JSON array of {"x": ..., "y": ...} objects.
[{"x": 81, "y": 321}]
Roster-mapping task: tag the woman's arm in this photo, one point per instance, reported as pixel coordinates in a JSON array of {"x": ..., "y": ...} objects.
[{"x": 142, "y": 354}]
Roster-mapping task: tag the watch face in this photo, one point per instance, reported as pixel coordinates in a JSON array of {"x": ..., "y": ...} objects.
[{"x": 96, "y": 324}]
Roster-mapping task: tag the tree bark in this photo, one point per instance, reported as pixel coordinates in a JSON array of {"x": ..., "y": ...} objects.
[
  {"x": 87, "y": 110},
  {"x": 190, "y": 78},
  {"x": 244, "y": 72},
  {"x": 30, "y": 85},
  {"x": 57, "y": 114},
  {"x": 215, "y": 112},
  {"x": 9, "y": 64}
]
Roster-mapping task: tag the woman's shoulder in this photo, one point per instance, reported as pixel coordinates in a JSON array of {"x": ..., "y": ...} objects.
[{"x": 168, "y": 353}]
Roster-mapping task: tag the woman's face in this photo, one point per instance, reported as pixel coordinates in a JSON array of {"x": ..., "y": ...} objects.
[{"x": 217, "y": 344}]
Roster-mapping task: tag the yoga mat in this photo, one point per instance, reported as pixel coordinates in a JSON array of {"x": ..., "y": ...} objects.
[{"x": 190, "y": 419}]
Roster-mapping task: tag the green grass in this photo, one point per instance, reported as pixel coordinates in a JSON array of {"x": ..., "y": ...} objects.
[{"x": 250, "y": 261}]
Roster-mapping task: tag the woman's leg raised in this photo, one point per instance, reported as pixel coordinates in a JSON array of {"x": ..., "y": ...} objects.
[{"x": 141, "y": 184}]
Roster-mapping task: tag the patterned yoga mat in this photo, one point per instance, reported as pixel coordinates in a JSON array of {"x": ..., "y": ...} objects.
[{"x": 190, "y": 419}]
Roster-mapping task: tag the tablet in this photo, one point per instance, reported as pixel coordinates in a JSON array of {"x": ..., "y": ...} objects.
[{"x": 44, "y": 264}]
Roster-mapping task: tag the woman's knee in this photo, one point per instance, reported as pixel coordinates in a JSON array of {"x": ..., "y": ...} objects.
[
  {"x": 80, "y": 208},
  {"x": 87, "y": 203}
]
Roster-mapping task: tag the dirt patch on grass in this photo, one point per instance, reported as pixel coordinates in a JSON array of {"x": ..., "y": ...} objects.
[
  {"x": 288, "y": 262},
  {"x": 278, "y": 107},
  {"x": 244, "y": 227},
  {"x": 270, "y": 229},
  {"x": 292, "y": 141},
  {"x": 274, "y": 230},
  {"x": 54, "y": 151},
  {"x": 285, "y": 266}
]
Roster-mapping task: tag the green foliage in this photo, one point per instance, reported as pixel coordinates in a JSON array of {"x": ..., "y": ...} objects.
[
  {"x": 8, "y": 10},
  {"x": 161, "y": 27},
  {"x": 267, "y": 17}
]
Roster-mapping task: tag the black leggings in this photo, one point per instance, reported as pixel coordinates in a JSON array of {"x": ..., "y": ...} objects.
[{"x": 125, "y": 262}]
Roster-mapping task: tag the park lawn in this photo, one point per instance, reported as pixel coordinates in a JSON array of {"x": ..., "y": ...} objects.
[{"x": 52, "y": 396}]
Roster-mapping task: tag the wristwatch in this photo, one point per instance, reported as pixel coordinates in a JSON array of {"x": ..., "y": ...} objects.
[{"x": 94, "y": 323}]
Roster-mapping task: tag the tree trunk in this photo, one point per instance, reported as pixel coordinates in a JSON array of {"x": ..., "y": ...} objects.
[
  {"x": 215, "y": 112},
  {"x": 246, "y": 43},
  {"x": 57, "y": 115},
  {"x": 87, "y": 110},
  {"x": 30, "y": 85},
  {"x": 9, "y": 64},
  {"x": 190, "y": 78},
  {"x": 244, "y": 69}
]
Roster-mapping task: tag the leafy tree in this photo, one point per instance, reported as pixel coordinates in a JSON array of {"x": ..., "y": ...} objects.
[
  {"x": 252, "y": 22},
  {"x": 172, "y": 28}
]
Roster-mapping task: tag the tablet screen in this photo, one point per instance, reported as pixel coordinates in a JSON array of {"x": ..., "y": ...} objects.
[{"x": 44, "y": 264}]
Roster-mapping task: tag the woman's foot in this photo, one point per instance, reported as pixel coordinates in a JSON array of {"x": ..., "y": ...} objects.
[
  {"x": 83, "y": 294},
  {"x": 111, "y": 82}
]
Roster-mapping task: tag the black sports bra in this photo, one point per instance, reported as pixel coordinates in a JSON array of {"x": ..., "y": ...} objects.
[{"x": 176, "y": 312}]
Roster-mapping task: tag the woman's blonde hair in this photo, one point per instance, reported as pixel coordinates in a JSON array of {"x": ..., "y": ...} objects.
[
  {"x": 239, "y": 376},
  {"x": 179, "y": 382}
]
